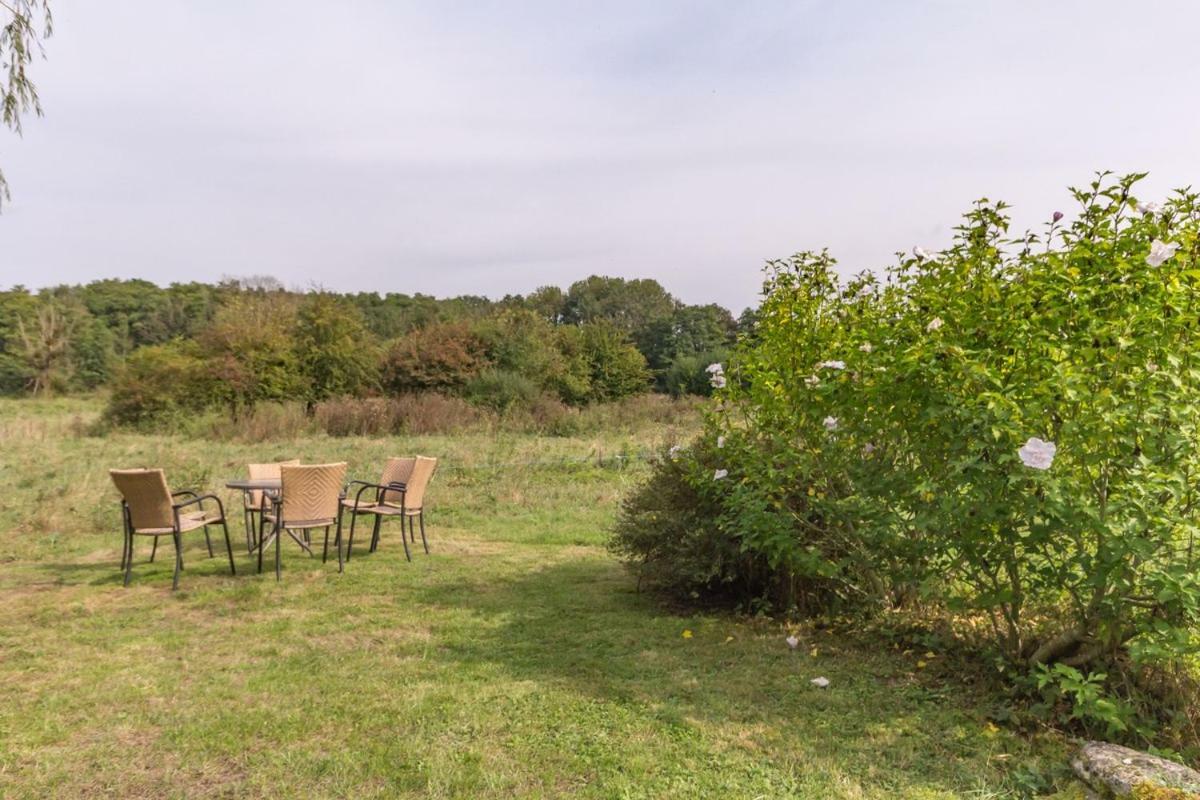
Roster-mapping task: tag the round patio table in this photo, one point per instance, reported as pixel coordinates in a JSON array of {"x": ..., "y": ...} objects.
[
  {"x": 256, "y": 484},
  {"x": 271, "y": 487}
]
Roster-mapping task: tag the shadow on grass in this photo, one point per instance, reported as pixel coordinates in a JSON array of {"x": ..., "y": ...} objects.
[
  {"x": 579, "y": 626},
  {"x": 107, "y": 571}
]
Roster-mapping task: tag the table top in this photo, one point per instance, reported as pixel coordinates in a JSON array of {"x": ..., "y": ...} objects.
[{"x": 252, "y": 484}]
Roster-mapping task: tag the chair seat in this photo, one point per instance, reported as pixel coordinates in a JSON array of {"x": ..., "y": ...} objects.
[
  {"x": 386, "y": 509},
  {"x": 187, "y": 522},
  {"x": 299, "y": 524}
]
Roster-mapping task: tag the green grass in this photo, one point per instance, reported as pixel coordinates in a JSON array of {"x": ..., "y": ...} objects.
[{"x": 515, "y": 661}]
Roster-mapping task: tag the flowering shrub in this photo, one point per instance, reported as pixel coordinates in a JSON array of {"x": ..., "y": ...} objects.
[{"x": 1008, "y": 428}]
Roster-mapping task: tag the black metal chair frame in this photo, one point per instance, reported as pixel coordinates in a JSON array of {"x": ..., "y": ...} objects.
[
  {"x": 248, "y": 512},
  {"x": 380, "y": 491},
  {"x": 275, "y": 499},
  {"x": 176, "y": 534}
]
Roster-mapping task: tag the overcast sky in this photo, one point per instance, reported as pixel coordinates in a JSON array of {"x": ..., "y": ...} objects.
[{"x": 488, "y": 148}]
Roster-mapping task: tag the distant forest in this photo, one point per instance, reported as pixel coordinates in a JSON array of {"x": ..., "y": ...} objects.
[{"x": 192, "y": 346}]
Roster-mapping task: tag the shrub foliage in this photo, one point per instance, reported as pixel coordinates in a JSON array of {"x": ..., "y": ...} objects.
[{"x": 1007, "y": 428}]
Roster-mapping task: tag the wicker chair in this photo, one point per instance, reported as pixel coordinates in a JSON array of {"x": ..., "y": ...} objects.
[
  {"x": 309, "y": 497},
  {"x": 149, "y": 508},
  {"x": 399, "y": 493},
  {"x": 252, "y": 499}
]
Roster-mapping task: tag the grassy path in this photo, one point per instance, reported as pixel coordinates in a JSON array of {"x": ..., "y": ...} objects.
[{"x": 516, "y": 660}]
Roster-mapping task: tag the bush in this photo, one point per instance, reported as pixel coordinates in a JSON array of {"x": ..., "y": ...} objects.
[
  {"x": 249, "y": 349},
  {"x": 521, "y": 342},
  {"x": 666, "y": 533},
  {"x": 157, "y": 383},
  {"x": 886, "y": 442},
  {"x": 688, "y": 374},
  {"x": 443, "y": 358},
  {"x": 501, "y": 391},
  {"x": 333, "y": 350}
]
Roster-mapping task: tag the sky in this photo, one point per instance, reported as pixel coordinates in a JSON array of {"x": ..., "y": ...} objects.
[{"x": 494, "y": 147}]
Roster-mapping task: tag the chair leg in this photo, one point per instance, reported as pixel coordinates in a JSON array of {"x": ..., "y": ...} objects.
[
  {"x": 404, "y": 541},
  {"x": 375, "y": 532},
  {"x": 129, "y": 561},
  {"x": 153, "y": 550},
  {"x": 338, "y": 539},
  {"x": 248, "y": 518},
  {"x": 208, "y": 542},
  {"x": 424, "y": 541},
  {"x": 278, "y": 555},
  {"x": 260, "y": 546},
  {"x": 178, "y": 561},
  {"x": 229, "y": 548},
  {"x": 325, "y": 547},
  {"x": 124, "y": 548},
  {"x": 350, "y": 544}
]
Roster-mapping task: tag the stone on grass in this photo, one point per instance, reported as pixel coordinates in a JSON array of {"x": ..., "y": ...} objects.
[{"x": 1114, "y": 771}]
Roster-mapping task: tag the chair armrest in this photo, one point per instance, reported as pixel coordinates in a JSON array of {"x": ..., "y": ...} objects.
[
  {"x": 182, "y": 492},
  {"x": 380, "y": 490},
  {"x": 199, "y": 500}
]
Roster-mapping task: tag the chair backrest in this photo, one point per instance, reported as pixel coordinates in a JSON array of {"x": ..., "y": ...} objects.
[
  {"x": 311, "y": 493},
  {"x": 418, "y": 481},
  {"x": 147, "y": 496},
  {"x": 264, "y": 472},
  {"x": 397, "y": 470}
]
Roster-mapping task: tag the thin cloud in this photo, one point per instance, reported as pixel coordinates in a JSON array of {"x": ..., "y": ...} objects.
[{"x": 490, "y": 147}]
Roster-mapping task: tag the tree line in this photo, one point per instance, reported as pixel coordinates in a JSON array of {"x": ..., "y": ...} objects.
[{"x": 189, "y": 346}]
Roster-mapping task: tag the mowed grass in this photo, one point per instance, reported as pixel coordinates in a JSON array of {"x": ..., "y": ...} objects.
[{"x": 517, "y": 660}]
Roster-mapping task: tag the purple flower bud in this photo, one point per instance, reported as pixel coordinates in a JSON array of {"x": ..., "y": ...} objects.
[{"x": 1057, "y": 216}]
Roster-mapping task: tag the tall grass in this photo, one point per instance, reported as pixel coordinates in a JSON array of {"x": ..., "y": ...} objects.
[
  {"x": 427, "y": 413},
  {"x": 414, "y": 414}
]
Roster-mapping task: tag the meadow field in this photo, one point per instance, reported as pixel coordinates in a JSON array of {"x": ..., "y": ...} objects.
[{"x": 518, "y": 659}]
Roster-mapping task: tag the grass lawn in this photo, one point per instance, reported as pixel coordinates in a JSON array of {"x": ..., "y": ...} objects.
[{"x": 515, "y": 661}]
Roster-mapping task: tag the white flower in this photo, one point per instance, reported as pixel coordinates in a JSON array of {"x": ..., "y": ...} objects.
[
  {"x": 934, "y": 324},
  {"x": 720, "y": 441},
  {"x": 1147, "y": 208},
  {"x": 868, "y": 448},
  {"x": 674, "y": 451},
  {"x": 812, "y": 380},
  {"x": 866, "y": 347},
  {"x": 921, "y": 253},
  {"x": 719, "y": 474},
  {"x": 830, "y": 423},
  {"x": 1160, "y": 251},
  {"x": 714, "y": 369},
  {"x": 832, "y": 365},
  {"x": 792, "y": 641},
  {"x": 717, "y": 380},
  {"x": 820, "y": 683},
  {"x": 1152, "y": 367},
  {"x": 1037, "y": 454}
]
